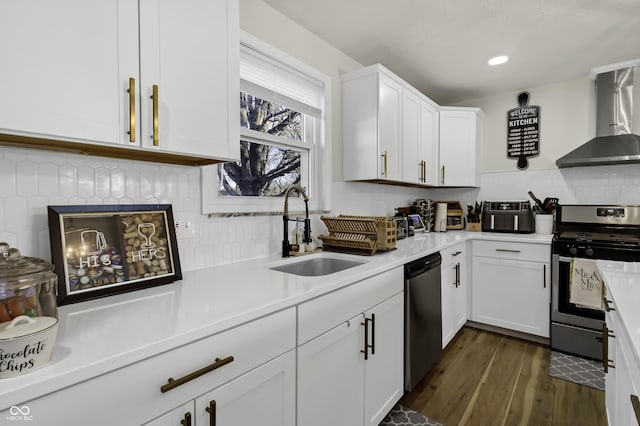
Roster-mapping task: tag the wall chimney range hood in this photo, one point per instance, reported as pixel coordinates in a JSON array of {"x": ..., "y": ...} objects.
[{"x": 617, "y": 93}]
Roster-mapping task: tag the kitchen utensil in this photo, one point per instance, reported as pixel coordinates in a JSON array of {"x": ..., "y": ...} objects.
[
  {"x": 549, "y": 204},
  {"x": 536, "y": 200}
]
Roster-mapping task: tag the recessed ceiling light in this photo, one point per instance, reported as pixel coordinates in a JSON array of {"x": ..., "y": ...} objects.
[{"x": 498, "y": 60}]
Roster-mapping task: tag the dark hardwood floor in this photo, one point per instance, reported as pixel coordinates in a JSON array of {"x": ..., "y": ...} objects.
[{"x": 490, "y": 379}]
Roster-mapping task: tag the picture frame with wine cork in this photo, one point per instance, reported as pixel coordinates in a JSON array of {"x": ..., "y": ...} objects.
[{"x": 101, "y": 250}]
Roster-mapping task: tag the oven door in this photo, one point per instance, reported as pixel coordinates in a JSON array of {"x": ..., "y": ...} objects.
[{"x": 562, "y": 310}]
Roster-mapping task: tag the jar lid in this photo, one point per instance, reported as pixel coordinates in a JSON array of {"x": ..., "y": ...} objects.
[
  {"x": 23, "y": 325},
  {"x": 13, "y": 265}
]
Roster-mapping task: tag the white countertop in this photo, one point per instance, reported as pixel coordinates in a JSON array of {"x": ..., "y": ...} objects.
[
  {"x": 622, "y": 280},
  {"x": 102, "y": 335}
]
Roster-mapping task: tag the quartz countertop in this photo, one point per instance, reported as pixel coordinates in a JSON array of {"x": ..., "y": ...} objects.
[
  {"x": 102, "y": 335},
  {"x": 622, "y": 280}
]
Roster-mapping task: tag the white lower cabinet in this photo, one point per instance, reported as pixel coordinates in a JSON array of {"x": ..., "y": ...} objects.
[
  {"x": 252, "y": 365},
  {"x": 511, "y": 286},
  {"x": 622, "y": 379},
  {"x": 264, "y": 396},
  {"x": 454, "y": 291},
  {"x": 352, "y": 374}
]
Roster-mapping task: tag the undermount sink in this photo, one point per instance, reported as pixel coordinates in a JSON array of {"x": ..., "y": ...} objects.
[{"x": 317, "y": 267}]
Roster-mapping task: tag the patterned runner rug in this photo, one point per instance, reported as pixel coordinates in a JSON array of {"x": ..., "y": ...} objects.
[
  {"x": 577, "y": 370},
  {"x": 402, "y": 416}
]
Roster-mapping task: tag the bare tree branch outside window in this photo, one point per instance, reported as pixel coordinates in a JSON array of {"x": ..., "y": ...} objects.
[{"x": 264, "y": 170}]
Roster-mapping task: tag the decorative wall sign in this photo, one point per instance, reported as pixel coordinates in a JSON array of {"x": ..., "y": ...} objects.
[
  {"x": 103, "y": 250},
  {"x": 523, "y": 131}
]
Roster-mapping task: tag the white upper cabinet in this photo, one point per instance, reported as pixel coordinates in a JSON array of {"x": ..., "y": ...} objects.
[
  {"x": 372, "y": 126},
  {"x": 189, "y": 50},
  {"x": 394, "y": 133},
  {"x": 84, "y": 72},
  {"x": 460, "y": 139},
  {"x": 66, "y": 68},
  {"x": 428, "y": 143},
  {"x": 412, "y": 170}
]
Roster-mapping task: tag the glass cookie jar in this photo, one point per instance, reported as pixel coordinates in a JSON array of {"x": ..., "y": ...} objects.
[{"x": 28, "y": 286}]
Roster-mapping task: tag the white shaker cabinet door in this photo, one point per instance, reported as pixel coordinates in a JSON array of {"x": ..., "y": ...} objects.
[
  {"x": 331, "y": 377},
  {"x": 412, "y": 170},
  {"x": 384, "y": 371},
  {"x": 66, "y": 69},
  {"x": 189, "y": 53},
  {"x": 459, "y": 139},
  {"x": 512, "y": 294},
  {"x": 265, "y": 396},
  {"x": 389, "y": 128}
]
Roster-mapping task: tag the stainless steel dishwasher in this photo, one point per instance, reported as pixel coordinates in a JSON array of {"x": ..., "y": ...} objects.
[{"x": 423, "y": 318}]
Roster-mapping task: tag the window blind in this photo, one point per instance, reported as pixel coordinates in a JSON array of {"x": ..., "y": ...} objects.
[{"x": 270, "y": 79}]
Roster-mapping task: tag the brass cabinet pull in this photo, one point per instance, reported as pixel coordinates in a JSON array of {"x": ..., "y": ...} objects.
[
  {"x": 424, "y": 171},
  {"x": 384, "y": 163},
  {"x": 174, "y": 383},
  {"x": 442, "y": 179},
  {"x": 373, "y": 334},
  {"x": 606, "y": 305},
  {"x": 365, "y": 351},
  {"x": 635, "y": 402},
  {"x": 132, "y": 109},
  {"x": 211, "y": 409},
  {"x": 155, "y": 114},
  {"x": 606, "y": 333},
  {"x": 187, "y": 419}
]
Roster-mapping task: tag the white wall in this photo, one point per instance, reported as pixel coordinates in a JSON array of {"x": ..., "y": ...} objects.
[
  {"x": 566, "y": 121},
  {"x": 30, "y": 180}
]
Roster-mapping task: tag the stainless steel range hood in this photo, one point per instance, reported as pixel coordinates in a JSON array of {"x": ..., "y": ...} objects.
[{"x": 615, "y": 142}]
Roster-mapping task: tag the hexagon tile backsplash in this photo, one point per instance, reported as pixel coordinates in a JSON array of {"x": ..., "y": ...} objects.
[{"x": 30, "y": 180}]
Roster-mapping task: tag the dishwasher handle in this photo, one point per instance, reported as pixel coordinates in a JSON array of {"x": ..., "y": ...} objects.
[{"x": 422, "y": 265}]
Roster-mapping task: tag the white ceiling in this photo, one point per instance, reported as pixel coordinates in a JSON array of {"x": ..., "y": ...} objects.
[{"x": 442, "y": 46}]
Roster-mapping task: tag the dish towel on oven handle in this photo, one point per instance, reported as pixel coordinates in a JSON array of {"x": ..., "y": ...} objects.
[{"x": 586, "y": 286}]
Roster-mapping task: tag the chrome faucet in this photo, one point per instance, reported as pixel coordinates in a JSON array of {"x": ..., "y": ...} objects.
[{"x": 286, "y": 246}]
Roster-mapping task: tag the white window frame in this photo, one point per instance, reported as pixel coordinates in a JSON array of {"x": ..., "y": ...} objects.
[{"x": 319, "y": 159}]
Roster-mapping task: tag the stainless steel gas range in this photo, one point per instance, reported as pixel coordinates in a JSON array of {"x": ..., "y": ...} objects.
[{"x": 587, "y": 232}]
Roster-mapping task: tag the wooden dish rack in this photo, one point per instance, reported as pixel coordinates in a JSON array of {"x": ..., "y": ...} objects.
[{"x": 359, "y": 234}]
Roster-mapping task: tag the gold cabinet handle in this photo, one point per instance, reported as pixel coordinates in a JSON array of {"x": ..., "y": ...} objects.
[
  {"x": 211, "y": 409},
  {"x": 384, "y": 163},
  {"x": 155, "y": 114},
  {"x": 174, "y": 383},
  {"x": 606, "y": 333},
  {"x": 424, "y": 171},
  {"x": 132, "y": 109},
  {"x": 635, "y": 402},
  {"x": 442, "y": 179},
  {"x": 606, "y": 305},
  {"x": 186, "y": 421}
]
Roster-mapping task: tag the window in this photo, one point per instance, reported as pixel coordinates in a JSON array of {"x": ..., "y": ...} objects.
[{"x": 282, "y": 108}]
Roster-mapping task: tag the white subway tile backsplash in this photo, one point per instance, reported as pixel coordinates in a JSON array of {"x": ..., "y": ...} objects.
[{"x": 31, "y": 180}]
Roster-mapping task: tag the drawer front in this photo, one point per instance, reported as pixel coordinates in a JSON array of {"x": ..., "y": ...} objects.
[
  {"x": 132, "y": 395},
  {"x": 325, "y": 312},
  {"x": 513, "y": 250},
  {"x": 453, "y": 254}
]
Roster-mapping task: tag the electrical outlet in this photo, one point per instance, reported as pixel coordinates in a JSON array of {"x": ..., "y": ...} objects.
[{"x": 185, "y": 226}]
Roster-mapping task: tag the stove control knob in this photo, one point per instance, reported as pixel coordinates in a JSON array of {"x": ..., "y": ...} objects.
[
  {"x": 573, "y": 250},
  {"x": 588, "y": 251}
]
